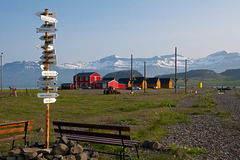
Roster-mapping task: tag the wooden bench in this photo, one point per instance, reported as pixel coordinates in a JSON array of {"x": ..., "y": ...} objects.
[
  {"x": 15, "y": 129},
  {"x": 94, "y": 134}
]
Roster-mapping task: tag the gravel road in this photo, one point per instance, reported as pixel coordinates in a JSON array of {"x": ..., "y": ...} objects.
[{"x": 220, "y": 136}]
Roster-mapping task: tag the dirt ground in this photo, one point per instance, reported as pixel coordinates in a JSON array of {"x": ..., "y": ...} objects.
[{"x": 220, "y": 136}]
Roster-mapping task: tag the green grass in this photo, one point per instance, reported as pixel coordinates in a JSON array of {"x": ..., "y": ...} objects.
[
  {"x": 145, "y": 113},
  {"x": 187, "y": 150},
  {"x": 168, "y": 104},
  {"x": 205, "y": 102}
]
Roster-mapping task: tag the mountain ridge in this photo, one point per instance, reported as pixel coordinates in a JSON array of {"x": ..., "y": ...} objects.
[{"x": 26, "y": 73}]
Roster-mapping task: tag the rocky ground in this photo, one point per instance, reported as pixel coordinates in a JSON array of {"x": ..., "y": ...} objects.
[{"x": 220, "y": 136}]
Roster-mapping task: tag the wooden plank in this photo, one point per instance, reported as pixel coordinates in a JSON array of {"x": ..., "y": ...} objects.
[
  {"x": 93, "y": 126},
  {"x": 14, "y": 124},
  {"x": 104, "y": 139},
  {"x": 99, "y": 140},
  {"x": 13, "y": 138},
  {"x": 98, "y": 134},
  {"x": 15, "y": 130}
]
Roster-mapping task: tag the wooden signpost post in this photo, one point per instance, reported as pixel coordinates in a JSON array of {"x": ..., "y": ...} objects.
[{"x": 47, "y": 81}]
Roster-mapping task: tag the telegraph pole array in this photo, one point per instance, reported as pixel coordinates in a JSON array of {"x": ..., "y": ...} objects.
[
  {"x": 132, "y": 79},
  {"x": 185, "y": 80},
  {"x": 1, "y": 72},
  {"x": 47, "y": 81},
  {"x": 145, "y": 79},
  {"x": 175, "y": 79}
]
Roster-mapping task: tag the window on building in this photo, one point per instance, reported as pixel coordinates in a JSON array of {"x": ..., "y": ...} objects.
[
  {"x": 81, "y": 78},
  {"x": 95, "y": 78},
  {"x": 86, "y": 78}
]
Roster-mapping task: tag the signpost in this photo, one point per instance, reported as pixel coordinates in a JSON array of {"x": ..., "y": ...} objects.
[
  {"x": 54, "y": 89},
  {"x": 47, "y": 81},
  {"x": 43, "y": 57},
  {"x": 44, "y": 47},
  {"x": 43, "y": 30},
  {"x": 49, "y": 73},
  {"x": 49, "y": 78},
  {"x": 49, "y": 100},
  {"x": 47, "y": 95},
  {"x": 48, "y": 19},
  {"x": 50, "y": 14},
  {"x": 53, "y": 36},
  {"x": 50, "y": 62}
]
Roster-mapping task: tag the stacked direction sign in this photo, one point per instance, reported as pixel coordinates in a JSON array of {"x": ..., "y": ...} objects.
[{"x": 47, "y": 82}]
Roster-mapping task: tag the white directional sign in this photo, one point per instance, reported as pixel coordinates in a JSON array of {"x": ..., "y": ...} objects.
[
  {"x": 49, "y": 19},
  {"x": 50, "y": 78},
  {"x": 45, "y": 83},
  {"x": 43, "y": 47},
  {"x": 54, "y": 89},
  {"x": 43, "y": 30},
  {"x": 50, "y": 14},
  {"x": 52, "y": 56},
  {"x": 52, "y": 36},
  {"x": 47, "y": 95},
  {"x": 49, "y": 73},
  {"x": 49, "y": 100},
  {"x": 50, "y": 62},
  {"x": 42, "y": 67}
]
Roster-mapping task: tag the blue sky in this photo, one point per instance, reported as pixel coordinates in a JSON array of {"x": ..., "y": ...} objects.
[{"x": 92, "y": 29}]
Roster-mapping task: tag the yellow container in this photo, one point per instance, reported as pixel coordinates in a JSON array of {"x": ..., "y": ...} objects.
[{"x": 200, "y": 85}]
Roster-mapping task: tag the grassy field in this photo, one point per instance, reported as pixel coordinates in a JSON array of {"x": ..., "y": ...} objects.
[{"x": 146, "y": 113}]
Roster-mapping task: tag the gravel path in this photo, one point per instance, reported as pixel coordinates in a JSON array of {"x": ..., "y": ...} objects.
[{"x": 220, "y": 136}]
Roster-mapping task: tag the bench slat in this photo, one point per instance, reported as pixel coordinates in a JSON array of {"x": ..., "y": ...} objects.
[
  {"x": 15, "y": 130},
  {"x": 98, "y": 134},
  {"x": 13, "y": 138},
  {"x": 127, "y": 143},
  {"x": 93, "y": 126},
  {"x": 13, "y": 124}
]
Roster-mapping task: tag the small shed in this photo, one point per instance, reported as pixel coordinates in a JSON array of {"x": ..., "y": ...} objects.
[
  {"x": 105, "y": 84},
  {"x": 67, "y": 86},
  {"x": 166, "y": 82},
  {"x": 153, "y": 82}
]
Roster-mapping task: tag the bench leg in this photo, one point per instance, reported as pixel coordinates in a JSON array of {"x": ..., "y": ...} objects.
[
  {"x": 123, "y": 152},
  {"x": 120, "y": 155},
  {"x": 137, "y": 151},
  {"x": 13, "y": 144}
]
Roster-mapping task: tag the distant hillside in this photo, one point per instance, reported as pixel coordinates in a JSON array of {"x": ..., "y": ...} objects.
[
  {"x": 123, "y": 74},
  {"x": 231, "y": 73},
  {"x": 194, "y": 74}
]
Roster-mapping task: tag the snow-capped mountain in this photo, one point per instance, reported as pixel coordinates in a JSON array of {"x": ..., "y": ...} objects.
[{"x": 25, "y": 74}]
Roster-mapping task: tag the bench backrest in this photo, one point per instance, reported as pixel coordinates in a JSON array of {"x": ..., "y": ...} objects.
[
  {"x": 73, "y": 125},
  {"x": 16, "y": 127}
]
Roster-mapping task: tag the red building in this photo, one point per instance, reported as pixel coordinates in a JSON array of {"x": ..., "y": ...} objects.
[
  {"x": 67, "y": 86},
  {"x": 107, "y": 83},
  {"x": 85, "y": 79}
]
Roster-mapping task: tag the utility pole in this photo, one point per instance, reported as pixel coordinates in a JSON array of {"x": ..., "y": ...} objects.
[
  {"x": 76, "y": 78},
  {"x": 131, "y": 73},
  {"x": 145, "y": 80},
  {"x": 1, "y": 71},
  {"x": 185, "y": 80},
  {"x": 175, "y": 70}
]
